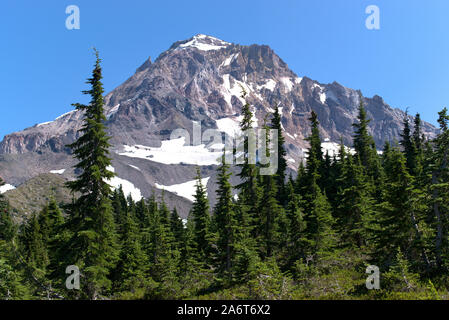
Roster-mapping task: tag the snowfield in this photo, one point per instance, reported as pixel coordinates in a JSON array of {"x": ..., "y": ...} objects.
[
  {"x": 175, "y": 152},
  {"x": 321, "y": 94},
  {"x": 61, "y": 171},
  {"x": 128, "y": 187},
  {"x": 333, "y": 148},
  {"x": 230, "y": 126},
  {"x": 198, "y": 44},
  {"x": 6, "y": 187},
  {"x": 287, "y": 83},
  {"x": 270, "y": 85},
  {"x": 185, "y": 190}
]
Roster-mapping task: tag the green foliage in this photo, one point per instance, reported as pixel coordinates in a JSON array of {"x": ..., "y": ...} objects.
[
  {"x": 308, "y": 238},
  {"x": 225, "y": 223},
  {"x": 201, "y": 217},
  {"x": 94, "y": 248}
]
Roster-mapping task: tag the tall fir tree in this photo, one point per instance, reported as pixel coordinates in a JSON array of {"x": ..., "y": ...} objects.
[
  {"x": 249, "y": 189},
  {"x": 35, "y": 249},
  {"x": 440, "y": 190},
  {"x": 177, "y": 228},
  {"x": 408, "y": 145},
  {"x": 314, "y": 152},
  {"x": 393, "y": 224},
  {"x": 318, "y": 215},
  {"x": 201, "y": 217},
  {"x": 132, "y": 266},
  {"x": 276, "y": 124},
  {"x": 7, "y": 227},
  {"x": 296, "y": 239},
  {"x": 94, "y": 247},
  {"x": 355, "y": 204},
  {"x": 365, "y": 149},
  {"x": 225, "y": 222},
  {"x": 270, "y": 212}
]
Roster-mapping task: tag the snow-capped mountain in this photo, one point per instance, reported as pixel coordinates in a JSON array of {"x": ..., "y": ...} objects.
[{"x": 200, "y": 81}]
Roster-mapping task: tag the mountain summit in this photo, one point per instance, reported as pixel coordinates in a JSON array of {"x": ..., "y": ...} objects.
[
  {"x": 201, "y": 42},
  {"x": 198, "y": 79}
]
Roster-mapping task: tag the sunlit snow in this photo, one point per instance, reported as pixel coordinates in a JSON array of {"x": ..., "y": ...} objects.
[
  {"x": 128, "y": 187},
  {"x": 197, "y": 42},
  {"x": 270, "y": 85},
  {"x": 6, "y": 187},
  {"x": 185, "y": 190},
  {"x": 287, "y": 83},
  {"x": 174, "y": 152},
  {"x": 61, "y": 171}
]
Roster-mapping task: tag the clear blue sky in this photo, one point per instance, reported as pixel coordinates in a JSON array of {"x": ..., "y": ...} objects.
[{"x": 44, "y": 65}]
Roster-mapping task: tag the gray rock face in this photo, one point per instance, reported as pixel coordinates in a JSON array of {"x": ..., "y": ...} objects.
[{"x": 200, "y": 79}]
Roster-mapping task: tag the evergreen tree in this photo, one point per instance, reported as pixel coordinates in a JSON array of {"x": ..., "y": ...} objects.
[
  {"x": 51, "y": 223},
  {"x": 393, "y": 224},
  {"x": 120, "y": 207},
  {"x": 141, "y": 212},
  {"x": 418, "y": 136},
  {"x": 131, "y": 268},
  {"x": 362, "y": 139},
  {"x": 94, "y": 244},
  {"x": 13, "y": 285},
  {"x": 296, "y": 241},
  {"x": 177, "y": 228},
  {"x": 320, "y": 224},
  {"x": 201, "y": 217},
  {"x": 225, "y": 222},
  {"x": 248, "y": 187},
  {"x": 365, "y": 150},
  {"x": 270, "y": 213},
  {"x": 192, "y": 274},
  {"x": 34, "y": 247},
  {"x": 408, "y": 146},
  {"x": 314, "y": 152},
  {"x": 276, "y": 124},
  {"x": 318, "y": 216},
  {"x": 355, "y": 204},
  {"x": 7, "y": 227},
  {"x": 440, "y": 189}
]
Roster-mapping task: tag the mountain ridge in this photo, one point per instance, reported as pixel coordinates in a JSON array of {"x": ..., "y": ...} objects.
[{"x": 198, "y": 80}]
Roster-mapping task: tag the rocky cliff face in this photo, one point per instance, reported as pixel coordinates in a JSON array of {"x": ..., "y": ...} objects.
[{"x": 201, "y": 80}]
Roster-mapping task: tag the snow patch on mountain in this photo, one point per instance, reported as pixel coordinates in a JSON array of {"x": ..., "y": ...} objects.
[
  {"x": 134, "y": 167},
  {"x": 333, "y": 148},
  {"x": 230, "y": 126},
  {"x": 174, "y": 152},
  {"x": 229, "y": 60},
  {"x": 6, "y": 187},
  {"x": 43, "y": 123},
  {"x": 321, "y": 93},
  {"x": 65, "y": 114},
  {"x": 205, "y": 43},
  {"x": 127, "y": 186},
  {"x": 60, "y": 171},
  {"x": 186, "y": 189},
  {"x": 270, "y": 84},
  {"x": 287, "y": 82},
  {"x": 113, "y": 111},
  {"x": 235, "y": 89}
]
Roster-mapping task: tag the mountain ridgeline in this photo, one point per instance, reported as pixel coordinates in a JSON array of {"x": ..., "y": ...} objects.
[{"x": 200, "y": 79}]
